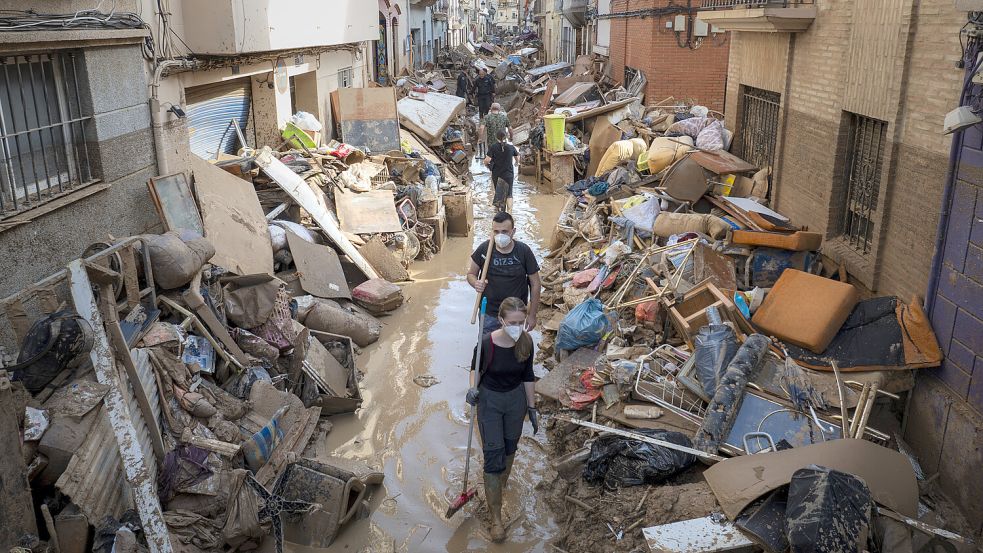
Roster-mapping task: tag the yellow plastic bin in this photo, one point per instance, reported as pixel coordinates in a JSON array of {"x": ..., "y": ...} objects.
[{"x": 555, "y": 126}]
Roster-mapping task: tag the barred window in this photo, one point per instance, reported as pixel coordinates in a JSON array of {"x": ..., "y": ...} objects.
[
  {"x": 43, "y": 148},
  {"x": 865, "y": 158},
  {"x": 345, "y": 77},
  {"x": 757, "y": 127}
]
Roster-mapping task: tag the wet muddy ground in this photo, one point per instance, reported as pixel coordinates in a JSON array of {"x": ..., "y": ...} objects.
[{"x": 418, "y": 435}]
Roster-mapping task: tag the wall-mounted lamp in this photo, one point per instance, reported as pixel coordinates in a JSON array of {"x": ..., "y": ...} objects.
[{"x": 177, "y": 111}]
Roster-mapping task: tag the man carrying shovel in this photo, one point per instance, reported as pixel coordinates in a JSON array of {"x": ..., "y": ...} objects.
[{"x": 510, "y": 271}]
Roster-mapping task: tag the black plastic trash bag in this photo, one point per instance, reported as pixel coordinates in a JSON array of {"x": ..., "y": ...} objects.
[
  {"x": 621, "y": 462},
  {"x": 715, "y": 345},
  {"x": 828, "y": 512}
]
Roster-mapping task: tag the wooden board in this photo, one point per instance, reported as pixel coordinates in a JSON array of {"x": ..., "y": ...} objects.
[
  {"x": 384, "y": 261},
  {"x": 368, "y": 118},
  {"x": 318, "y": 268},
  {"x": 721, "y": 162},
  {"x": 367, "y": 212},
  {"x": 233, "y": 220},
  {"x": 301, "y": 192},
  {"x": 175, "y": 204}
]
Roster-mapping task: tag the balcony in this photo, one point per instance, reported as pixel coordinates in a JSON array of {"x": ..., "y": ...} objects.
[
  {"x": 761, "y": 16},
  {"x": 575, "y": 11},
  {"x": 235, "y": 27}
]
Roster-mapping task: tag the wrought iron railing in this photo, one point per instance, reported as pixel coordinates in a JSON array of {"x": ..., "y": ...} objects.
[{"x": 725, "y": 4}]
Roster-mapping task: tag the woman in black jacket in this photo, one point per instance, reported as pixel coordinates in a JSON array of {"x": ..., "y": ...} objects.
[{"x": 504, "y": 395}]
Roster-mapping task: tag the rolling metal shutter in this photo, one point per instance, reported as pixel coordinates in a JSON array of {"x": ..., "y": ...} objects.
[{"x": 211, "y": 109}]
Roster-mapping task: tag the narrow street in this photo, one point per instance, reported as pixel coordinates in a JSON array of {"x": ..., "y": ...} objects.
[{"x": 419, "y": 435}]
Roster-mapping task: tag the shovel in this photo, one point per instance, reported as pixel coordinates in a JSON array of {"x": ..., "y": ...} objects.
[{"x": 467, "y": 494}]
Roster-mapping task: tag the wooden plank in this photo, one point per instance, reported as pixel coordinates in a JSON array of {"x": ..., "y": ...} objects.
[
  {"x": 174, "y": 202},
  {"x": 721, "y": 162},
  {"x": 233, "y": 220},
  {"x": 370, "y": 212},
  {"x": 300, "y": 192},
  {"x": 138, "y": 474},
  {"x": 319, "y": 269},
  {"x": 601, "y": 110}
]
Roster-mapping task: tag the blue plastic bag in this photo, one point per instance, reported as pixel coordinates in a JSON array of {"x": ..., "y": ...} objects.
[{"x": 584, "y": 326}]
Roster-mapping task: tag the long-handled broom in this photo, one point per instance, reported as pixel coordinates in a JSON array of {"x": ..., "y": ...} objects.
[{"x": 467, "y": 494}]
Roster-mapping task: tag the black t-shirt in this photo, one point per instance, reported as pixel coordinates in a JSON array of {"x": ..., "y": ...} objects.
[
  {"x": 501, "y": 155},
  {"x": 502, "y": 371},
  {"x": 508, "y": 273}
]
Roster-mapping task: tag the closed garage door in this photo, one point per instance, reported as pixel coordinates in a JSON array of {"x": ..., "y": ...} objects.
[{"x": 211, "y": 109}]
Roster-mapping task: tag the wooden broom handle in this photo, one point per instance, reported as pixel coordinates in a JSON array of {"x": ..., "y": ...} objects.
[{"x": 484, "y": 276}]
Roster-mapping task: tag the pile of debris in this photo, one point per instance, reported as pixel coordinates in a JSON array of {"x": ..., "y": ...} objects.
[
  {"x": 708, "y": 330},
  {"x": 169, "y": 390}
]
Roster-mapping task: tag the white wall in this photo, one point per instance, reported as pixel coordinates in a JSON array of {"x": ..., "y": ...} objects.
[
  {"x": 603, "y": 39},
  {"x": 237, "y": 26}
]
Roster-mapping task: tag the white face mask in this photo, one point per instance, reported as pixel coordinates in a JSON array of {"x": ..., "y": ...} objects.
[
  {"x": 514, "y": 331},
  {"x": 502, "y": 240}
]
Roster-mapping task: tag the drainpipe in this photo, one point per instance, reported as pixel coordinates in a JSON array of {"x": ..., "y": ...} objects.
[{"x": 156, "y": 125}]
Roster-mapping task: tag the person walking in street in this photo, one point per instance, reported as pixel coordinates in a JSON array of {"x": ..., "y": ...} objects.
[
  {"x": 512, "y": 272},
  {"x": 463, "y": 86},
  {"x": 500, "y": 160},
  {"x": 484, "y": 91},
  {"x": 505, "y": 397},
  {"x": 496, "y": 120}
]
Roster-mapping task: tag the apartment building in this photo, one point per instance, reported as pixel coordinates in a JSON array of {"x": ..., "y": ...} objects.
[
  {"x": 93, "y": 112},
  {"x": 846, "y": 101},
  {"x": 681, "y": 55}
]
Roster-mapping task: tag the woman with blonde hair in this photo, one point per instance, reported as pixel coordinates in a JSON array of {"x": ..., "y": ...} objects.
[{"x": 504, "y": 395}]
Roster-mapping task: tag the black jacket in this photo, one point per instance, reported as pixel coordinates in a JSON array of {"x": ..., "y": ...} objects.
[{"x": 485, "y": 86}]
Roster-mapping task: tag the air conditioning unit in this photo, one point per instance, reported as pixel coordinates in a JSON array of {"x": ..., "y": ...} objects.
[{"x": 969, "y": 5}]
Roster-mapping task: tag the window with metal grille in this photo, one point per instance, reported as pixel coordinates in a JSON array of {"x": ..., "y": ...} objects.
[
  {"x": 864, "y": 158},
  {"x": 43, "y": 148},
  {"x": 345, "y": 77},
  {"x": 757, "y": 130}
]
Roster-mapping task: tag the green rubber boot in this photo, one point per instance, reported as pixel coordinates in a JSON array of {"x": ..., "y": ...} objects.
[{"x": 493, "y": 495}]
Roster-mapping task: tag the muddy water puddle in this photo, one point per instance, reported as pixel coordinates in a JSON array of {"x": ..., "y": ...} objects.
[{"x": 418, "y": 435}]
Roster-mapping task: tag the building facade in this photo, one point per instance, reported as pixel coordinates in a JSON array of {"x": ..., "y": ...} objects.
[
  {"x": 101, "y": 111},
  {"x": 846, "y": 100},
  {"x": 681, "y": 55}
]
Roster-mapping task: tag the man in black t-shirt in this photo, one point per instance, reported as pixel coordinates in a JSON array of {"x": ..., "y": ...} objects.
[
  {"x": 513, "y": 272},
  {"x": 499, "y": 160}
]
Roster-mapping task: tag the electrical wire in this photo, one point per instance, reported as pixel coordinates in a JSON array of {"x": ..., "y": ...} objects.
[{"x": 30, "y": 20}]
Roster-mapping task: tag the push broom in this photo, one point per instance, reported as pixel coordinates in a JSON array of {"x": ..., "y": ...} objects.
[{"x": 467, "y": 494}]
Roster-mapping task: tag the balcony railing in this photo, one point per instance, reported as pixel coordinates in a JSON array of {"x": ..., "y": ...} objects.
[{"x": 718, "y": 4}]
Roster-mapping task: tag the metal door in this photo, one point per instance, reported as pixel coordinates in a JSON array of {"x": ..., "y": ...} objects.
[{"x": 211, "y": 109}]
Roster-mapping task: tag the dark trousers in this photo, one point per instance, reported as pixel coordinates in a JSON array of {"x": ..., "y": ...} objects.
[
  {"x": 500, "y": 418},
  {"x": 503, "y": 190},
  {"x": 484, "y": 104}
]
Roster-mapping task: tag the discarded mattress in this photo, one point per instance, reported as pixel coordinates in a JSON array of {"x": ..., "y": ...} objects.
[
  {"x": 806, "y": 310},
  {"x": 431, "y": 115},
  {"x": 869, "y": 339}
]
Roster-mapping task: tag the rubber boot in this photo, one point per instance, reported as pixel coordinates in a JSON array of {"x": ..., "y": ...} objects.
[
  {"x": 508, "y": 470},
  {"x": 493, "y": 495}
]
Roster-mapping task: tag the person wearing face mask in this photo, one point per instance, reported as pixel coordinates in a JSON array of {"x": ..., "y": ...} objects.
[
  {"x": 505, "y": 396},
  {"x": 513, "y": 272}
]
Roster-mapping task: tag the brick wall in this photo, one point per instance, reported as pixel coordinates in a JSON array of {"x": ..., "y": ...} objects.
[
  {"x": 644, "y": 43},
  {"x": 911, "y": 82}
]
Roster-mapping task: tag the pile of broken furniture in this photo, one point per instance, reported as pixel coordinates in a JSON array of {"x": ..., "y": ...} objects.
[
  {"x": 708, "y": 330},
  {"x": 168, "y": 391}
]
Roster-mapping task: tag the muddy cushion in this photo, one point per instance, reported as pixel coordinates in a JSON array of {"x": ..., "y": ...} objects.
[{"x": 805, "y": 309}]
